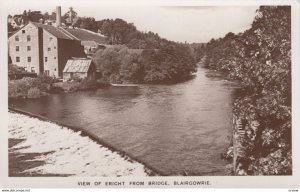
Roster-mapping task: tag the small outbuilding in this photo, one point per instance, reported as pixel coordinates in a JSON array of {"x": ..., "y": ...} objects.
[{"x": 79, "y": 68}]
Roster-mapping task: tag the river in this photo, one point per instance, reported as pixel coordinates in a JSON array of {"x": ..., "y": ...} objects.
[{"x": 177, "y": 129}]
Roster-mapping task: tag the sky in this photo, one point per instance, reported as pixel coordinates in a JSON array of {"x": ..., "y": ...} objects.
[{"x": 177, "y": 23}]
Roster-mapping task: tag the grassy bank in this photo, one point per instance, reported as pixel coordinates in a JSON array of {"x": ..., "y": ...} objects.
[{"x": 40, "y": 148}]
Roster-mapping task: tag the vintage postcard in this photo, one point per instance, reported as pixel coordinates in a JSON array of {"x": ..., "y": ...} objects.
[{"x": 148, "y": 94}]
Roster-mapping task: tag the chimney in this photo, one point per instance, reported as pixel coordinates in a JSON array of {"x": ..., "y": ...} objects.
[{"x": 58, "y": 16}]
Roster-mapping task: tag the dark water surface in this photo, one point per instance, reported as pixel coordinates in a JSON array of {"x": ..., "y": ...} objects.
[{"x": 177, "y": 129}]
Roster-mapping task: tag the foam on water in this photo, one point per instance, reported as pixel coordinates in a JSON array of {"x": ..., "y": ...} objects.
[{"x": 71, "y": 153}]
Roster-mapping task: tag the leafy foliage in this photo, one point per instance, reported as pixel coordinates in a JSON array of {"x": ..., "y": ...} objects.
[
  {"x": 120, "y": 32},
  {"x": 118, "y": 64},
  {"x": 34, "y": 92},
  {"x": 87, "y": 23},
  {"x": 30, "y": 87},
  {"x": 260, "y": 58}
]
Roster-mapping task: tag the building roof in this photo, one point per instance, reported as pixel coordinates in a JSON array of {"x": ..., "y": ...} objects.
[
  {"x": 89, "y": 43},
  {"x": 86, "y": 35},
  {"x": 77, "y": 65},
  {"x": 55, "y": 31},
  {"x": 72, "y": 34}
]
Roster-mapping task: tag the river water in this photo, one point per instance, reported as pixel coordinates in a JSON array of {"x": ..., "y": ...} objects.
[{"x": 177, "y": 129}]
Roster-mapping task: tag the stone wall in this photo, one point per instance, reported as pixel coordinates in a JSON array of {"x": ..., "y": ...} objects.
[
  {"x": 50, "y": 49},
  {"x": 27, "y": 48}
]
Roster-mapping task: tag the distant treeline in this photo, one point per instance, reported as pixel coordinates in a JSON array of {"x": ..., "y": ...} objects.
[
  {"x": 260, "y": 58},
  {"x": 138, "y": 57}
]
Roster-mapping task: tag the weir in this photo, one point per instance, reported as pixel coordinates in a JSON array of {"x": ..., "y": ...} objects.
[{"x": 149, "y": 169}]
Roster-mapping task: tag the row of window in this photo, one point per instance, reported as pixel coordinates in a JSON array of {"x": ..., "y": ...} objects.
[
  {"x": 49, "y": 48},
  {"x": 46, "y": 59},
  {"x": 29, "y": 59},
  {"x": 18, "y": 48},
  {"x": 32, "y": 69},
  {"x": 18, "y": 59},
  {"x": 28, "y": 38},
  {"x": 47, "y": 72},
  {"x": 18, "y": 39},
  {"x": 29, "y": 48}
]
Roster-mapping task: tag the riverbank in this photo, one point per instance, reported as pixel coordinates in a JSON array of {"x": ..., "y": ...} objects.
[
  {"x": 44, "y": 85},
  {"x": 40, "y": 148}
]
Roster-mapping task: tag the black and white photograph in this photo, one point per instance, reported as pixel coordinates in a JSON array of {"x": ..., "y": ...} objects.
[{"x": 150, "y": 91}]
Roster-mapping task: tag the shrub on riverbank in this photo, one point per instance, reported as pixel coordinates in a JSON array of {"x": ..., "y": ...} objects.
[
  {"x": 28, "y": 87},
  {"x": 67, "y": 86},
  {"x": 72, "y": 86},
  {"x": 34, "y": 93},
  {"x": 43, "y": 85},
  {"x": 260, "y": 58}
]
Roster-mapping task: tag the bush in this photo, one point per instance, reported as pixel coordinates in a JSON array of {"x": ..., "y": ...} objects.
[
  {"x": 43, "y": 78},
  {"x": 34, "y": 93},
  {"x": 88, "y": 83},
  {"x": 20, "y": 88},
  {"x": 66, "y": 86}
]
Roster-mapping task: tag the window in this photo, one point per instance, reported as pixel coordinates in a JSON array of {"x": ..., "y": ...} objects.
[
  {"x": 28, "y": 38},
  {"x": 50, "y": 39},
  {"x": 17, "y": 48},
  {"x": 54, "y": 47},
  {"x": 49, "y": 49},
  {"x": 32, "y": 70},
  {"x": 28, "y": 48},
  {"x": 17, "y": 59},
  {"x": 54, "y": 57},
  {"x": 47, "y": 72},
  {"x": 23, "y": 31},
  {"x": 54, "y": 69},
  {"x": 46, "y": 59},
  {"x": 17, "y": 38},
  {"x": 29, "y": 59}
]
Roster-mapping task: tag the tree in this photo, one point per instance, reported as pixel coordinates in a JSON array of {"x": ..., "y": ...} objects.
[
  {"x": 108, "y": 62},
  {"x": 88, "y": 23},
  {"x": 33, "y": 16},
  {"x": 260, "y": 58},
  {"x": 10, "y": 28}
]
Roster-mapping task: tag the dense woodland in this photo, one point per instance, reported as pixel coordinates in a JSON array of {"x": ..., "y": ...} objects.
[{"x": 260, "y": 58}]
